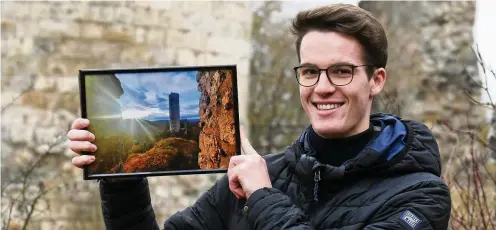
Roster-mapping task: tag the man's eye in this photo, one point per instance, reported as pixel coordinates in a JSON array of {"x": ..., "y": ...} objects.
[
  {"x": 309, "y": 71},
  {"x": 342, "y": 71}
]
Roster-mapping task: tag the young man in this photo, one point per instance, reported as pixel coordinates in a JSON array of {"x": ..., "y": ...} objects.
[{"x": 348, "y": 170}]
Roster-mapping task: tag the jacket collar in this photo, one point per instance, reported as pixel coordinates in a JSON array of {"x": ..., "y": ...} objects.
[{"x": 386, "y": 149}]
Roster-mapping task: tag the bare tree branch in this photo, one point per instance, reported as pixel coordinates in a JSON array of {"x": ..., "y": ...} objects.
[{"x": 28, "y": 89}]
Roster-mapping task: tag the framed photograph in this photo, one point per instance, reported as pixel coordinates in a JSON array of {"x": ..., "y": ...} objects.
[{"x": 161, "y": 121}]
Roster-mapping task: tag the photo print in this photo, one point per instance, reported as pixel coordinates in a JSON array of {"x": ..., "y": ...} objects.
[{"x": 161, "y": 121}]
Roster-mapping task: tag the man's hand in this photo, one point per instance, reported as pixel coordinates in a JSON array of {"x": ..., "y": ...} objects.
[
  {"x": 81, "y": 141},
  {"x": 247, "y": 172}
]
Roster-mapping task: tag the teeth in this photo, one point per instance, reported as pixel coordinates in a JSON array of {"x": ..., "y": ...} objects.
[{"x": 327, "y": 106}]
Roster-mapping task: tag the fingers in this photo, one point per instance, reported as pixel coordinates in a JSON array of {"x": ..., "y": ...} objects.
[
  {"x": 82, "y": 146},
  {"x": 80, "y": 135},
  {"x": 80, "y": 161},
  {"x": 235, "y": 160},
  {"x": 246, "y": 147},
  {"x": 80, "y": 123},
  {"x": 81, "y": 142},
  {"x": 242, "y": 132},
  {"x": 234, "y": 183},
  {"x": 235, "y": 187}
]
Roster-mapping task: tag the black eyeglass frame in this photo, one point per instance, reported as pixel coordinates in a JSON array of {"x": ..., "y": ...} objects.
[{"x": 326, "y": 72}]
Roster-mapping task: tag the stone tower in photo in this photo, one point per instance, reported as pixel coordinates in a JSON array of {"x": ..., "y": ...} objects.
[{"x": 174, "y": 112}]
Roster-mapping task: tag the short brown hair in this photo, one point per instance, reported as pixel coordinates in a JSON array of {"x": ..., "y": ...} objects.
[{"x": 348, "y": 19}]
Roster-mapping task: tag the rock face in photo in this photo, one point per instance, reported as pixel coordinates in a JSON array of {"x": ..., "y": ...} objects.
[
  {"x": 167, "y": 154},
  {"x": 217, "y": 136}
]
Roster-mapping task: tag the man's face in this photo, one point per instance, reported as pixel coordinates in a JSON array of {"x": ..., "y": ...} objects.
[{"x": 337, "y": 111}]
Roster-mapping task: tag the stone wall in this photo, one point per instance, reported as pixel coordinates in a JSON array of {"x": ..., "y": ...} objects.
[
  {"x": 431, "y": 68},
  {"x": 44, "y": 44}
]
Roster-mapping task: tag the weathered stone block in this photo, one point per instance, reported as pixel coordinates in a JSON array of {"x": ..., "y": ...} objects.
[
  {"x": 162, "y": 18},
  {"x": 231, "y": 11},
  {"x": 174, "y": 38},
  {"x": 108, "y": 51},
  {"x": 92, "y": 30},
  {"x": 157, "y": 5},
  {"x": 67, "y": 85},
  {"x": 235, "y": 47},
  {"x": 156, "y": 37},
  {"x": 186, "y": 57},
  {"x": 21, "y": 125},
  {"x": 197, "y": 22},
  {"x": 56, "y": 29},
  {"x": 124, "y": 15},
  {"x": 175, "y": 19},
  {"x": 120, "y": 33},
  {"x": 201, "y": 59},
  {"x": 73, "y": 10},
  {"x": 59, "y": 69},
  {"x": 137, "y": 54},
  {"x": 39, "y": 10},
  {"x": 192, "y": 39},
  {"x": 142, "y": 15},
  {"x": 45, "y": 84},
  {"x": 216, "y": 59},
  {"x": 73, "y": 48},
  {"x": 22, "y": 11},
  {"x": 44, "y": 46},
  {"x": 164, "y": 56},
  {"x": 37, "y": 99},
  {"x": 17, "y": 46},
  {"x": 9, "y": 28},
  {"x": 140, "y": 35},
  {"x": 107, "y": 14},
  {"x": 197, "y": 7},
  {"x": 95, "y": 13}
]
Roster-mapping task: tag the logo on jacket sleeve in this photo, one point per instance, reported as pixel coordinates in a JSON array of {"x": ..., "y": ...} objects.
[{"x": 410, "y": 220}]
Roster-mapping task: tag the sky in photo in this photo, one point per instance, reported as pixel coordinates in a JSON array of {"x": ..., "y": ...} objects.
[{"x": 146, "y": 95}]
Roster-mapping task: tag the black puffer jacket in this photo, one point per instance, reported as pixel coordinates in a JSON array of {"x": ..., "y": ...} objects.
[{"x": 393, "y": 183}]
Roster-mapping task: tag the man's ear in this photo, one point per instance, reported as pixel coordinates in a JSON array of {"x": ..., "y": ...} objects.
[{"x": 377, "y": 82}]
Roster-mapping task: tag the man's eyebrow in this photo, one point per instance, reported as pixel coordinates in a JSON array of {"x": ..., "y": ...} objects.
[
  {"x": 307, "y": 64},
  {"x": 334, "y": 64},
  {"x": 342, "y": 64}
]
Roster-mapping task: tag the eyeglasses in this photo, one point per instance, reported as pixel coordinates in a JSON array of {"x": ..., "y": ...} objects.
[{"x": 338, "y": 75}]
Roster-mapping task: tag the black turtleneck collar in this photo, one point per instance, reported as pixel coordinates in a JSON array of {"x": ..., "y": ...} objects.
[{"x": 336, "y": 151}]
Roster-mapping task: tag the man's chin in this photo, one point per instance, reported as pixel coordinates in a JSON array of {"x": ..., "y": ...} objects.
[{"x": 328, "y": 130}]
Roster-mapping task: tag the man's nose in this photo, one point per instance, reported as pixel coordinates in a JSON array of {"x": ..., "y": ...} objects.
[{"x": 324, "y": 85}]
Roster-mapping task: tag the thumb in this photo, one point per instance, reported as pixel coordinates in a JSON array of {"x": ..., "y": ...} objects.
[{"x": 246, "y": 148}]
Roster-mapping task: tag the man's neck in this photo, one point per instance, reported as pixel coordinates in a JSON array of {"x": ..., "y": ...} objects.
[{"x": 335, "y": 151}]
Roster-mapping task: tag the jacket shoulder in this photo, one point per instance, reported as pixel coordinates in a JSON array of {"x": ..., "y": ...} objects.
[{"x": 411, "y": 179}]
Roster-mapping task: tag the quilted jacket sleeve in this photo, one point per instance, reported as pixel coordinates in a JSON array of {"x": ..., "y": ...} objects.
[
  {"x": 269, "y": 208},
  {"x": 426, "y": 205},
  {"x": 209, "y": 211},
  {"x": 127, "y": 206}
]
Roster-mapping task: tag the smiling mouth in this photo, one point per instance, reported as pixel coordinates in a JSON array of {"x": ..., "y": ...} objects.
[{"x": 327, "y": 106}]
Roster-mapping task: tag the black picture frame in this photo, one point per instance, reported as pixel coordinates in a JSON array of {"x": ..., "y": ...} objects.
[{"x": 83, "y": 85}]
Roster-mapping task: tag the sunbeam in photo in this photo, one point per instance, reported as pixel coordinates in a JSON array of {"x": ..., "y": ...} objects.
[{"x": 147, "y": 128}]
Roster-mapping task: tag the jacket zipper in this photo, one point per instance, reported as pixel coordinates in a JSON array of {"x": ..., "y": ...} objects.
[
  {"x": 315, "y": 203},
  {"x": 316, "y": 180}
]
